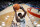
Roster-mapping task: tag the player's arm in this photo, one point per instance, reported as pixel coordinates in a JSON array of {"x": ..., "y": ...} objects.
[
  {"x": 18, "y": 20},
  {"x": 24, "y": 12}
]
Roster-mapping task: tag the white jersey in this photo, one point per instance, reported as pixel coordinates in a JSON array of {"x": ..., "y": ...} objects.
[{"x": 22, "y": 23}]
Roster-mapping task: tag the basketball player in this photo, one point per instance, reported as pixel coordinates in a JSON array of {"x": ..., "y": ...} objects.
[{"x": 22, "y": 17}]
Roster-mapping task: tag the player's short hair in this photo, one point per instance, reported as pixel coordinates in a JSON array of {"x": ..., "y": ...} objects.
[{"x": 19, "y": 14}]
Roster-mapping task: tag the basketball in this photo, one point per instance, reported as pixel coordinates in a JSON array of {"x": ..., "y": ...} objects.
[{"x": 16, "y": 6}]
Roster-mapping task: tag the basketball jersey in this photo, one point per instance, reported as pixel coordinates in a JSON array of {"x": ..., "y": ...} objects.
[{"x": 22, "y": 23}]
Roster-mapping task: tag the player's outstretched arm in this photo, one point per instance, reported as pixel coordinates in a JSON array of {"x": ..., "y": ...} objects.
[
  {"x": 24, "y": 11},
  {"x": 18, "y": 20}
]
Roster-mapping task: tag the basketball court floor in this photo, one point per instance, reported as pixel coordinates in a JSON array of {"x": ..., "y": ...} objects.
[{"x": 10, "y": 9}]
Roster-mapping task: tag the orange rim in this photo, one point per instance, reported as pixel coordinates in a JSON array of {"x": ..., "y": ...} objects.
[{"x": 34, "y": 14}]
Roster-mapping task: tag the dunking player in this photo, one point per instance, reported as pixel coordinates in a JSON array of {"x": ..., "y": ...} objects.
[{"x": 22, "y": 17}]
